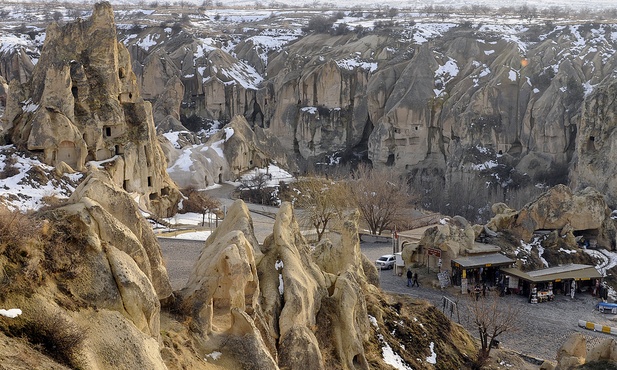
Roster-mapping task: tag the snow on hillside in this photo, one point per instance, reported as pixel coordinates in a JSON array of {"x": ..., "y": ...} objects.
[
  {"x": 574, "y": 4},
  {"x": 24, "y": 184}
]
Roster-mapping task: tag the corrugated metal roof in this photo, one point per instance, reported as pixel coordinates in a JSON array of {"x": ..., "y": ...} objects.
[
  {"x": 565, "y": 272},
  {"x": 493, "y": 259}
]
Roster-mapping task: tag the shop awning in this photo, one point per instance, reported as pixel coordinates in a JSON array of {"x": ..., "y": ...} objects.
[
  {"x": 484, "y": 260},
  {"x": 566, "y": 272}
]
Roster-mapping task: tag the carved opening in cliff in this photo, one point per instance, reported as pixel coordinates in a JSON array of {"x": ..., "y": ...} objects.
[
  {"x": 149, "y": 181},
  {"x": 74, "y": 91},
  {"x": 591, "y": 145},
  {"x": 153, "y": 196},
  {"x": 125, "y": 185},
  {"x": 257, "y": 117},
  {"x": 587, "y": 238},
  {"x": 165, "y": 191},
  {"x": 121, "y": 72},
  {"x": 67, "y": 153},
  {"x": 390, "y": 161},
  {"x": 107, "y": 131},
  {"x": 516, "y": 148},
  {"x": 220, "y": 178}
]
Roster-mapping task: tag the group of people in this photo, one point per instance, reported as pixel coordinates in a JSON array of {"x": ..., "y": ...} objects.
[
  {"x": 477, "y": 290},
  {"x": 600, "y": 290},
  {"x": 412, "y": 279}
]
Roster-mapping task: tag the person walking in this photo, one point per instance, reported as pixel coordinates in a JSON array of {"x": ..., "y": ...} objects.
[
  {"x": 409, "y": 277},
  {"x": 415, "y": 280},
  {"x": 572, "y": 289}
]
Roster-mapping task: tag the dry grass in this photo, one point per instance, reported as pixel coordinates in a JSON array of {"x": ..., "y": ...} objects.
[
  {"x": 55, "y": 334},
  {"x": 9, "y": 169}
]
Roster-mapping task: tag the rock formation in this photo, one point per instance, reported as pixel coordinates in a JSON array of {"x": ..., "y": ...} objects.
[
  {"x": 595, "y": 142},
  {"x": 577, "y": 214},
  {"x": 468, "y": 105},
  {"x": 224, "y": 156},
  {"x": 574, "y": 353},
  {"x": 82, "y": 104},
  {"x": 96, "y": 278},
  {"x": 461, "y": 104},
  {"x": 295, "y": 307}
]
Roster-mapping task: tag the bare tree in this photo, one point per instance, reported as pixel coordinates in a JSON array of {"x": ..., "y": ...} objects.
[
  {"x": 492, "y": 317},
  {"x": 320, "y": 200},
  {"x": 255, "y": 188},
  {"x": 381, "y": 197},
  {"x": 199, "y": 202}
]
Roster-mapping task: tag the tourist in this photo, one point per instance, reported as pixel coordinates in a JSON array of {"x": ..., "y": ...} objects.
[{"x": 409, "y": 276}]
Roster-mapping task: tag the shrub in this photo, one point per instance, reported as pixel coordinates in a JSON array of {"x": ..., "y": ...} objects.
[
  {"x": 9, "y": 168},
  {"x": 319, "y": 24},
  {"x": 58, "y": 336},
  {"x": 16, "y": 229}
]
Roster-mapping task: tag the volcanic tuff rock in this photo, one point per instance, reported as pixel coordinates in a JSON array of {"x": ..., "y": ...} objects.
[
  {"x": 294, "y": 308},
  {"x": 574, "y": 353},
  {"x": 223, "y": 156},
  {"x": 82, "y": 104},
  {"x": 452, "y": 103},
  {"x": 490, "y": 100},
  {"x": 583, "y": 212},
  {"x": 99, "y": 282},
  {"x": 595, "y": 141}
]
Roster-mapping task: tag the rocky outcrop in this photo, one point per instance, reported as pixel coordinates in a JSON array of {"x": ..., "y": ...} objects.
[
  {"x": 447, "y": 104},
  {"x": 99, "y": 280},
  {"x": 470, "y": 104},
  {"x": 574, "y": 353},
  {"x": 595, "y": 142},
  {"x": 581, "y": 213},
  {"x": 454, "y": 236},
  {"x": 223, "y": 156},
  {"x": 303, "y": 308},
  {"x": 82, "y": 104}
]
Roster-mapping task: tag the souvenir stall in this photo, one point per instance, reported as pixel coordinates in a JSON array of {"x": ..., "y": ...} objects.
[
  {"x": 542, "y": 285},
  {"x": 476, "y": 270}
]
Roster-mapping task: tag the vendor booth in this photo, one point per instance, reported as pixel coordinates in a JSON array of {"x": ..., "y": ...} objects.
[
  {"x": 542, "y": 285},
  {"x": 473, "y": 270}
]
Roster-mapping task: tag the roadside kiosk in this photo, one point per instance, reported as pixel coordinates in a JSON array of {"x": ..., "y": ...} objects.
[
  {"x": 478, "y": 269},
  {"x": 541, "y": 285}
]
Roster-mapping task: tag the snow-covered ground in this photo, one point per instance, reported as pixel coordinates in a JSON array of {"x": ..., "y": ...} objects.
[
  {"x": 19, "y": 192},
  {"x": 574, "y": 4}
]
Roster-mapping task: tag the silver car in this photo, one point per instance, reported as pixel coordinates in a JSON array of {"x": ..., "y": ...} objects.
[{"x": 386, "y": 262}]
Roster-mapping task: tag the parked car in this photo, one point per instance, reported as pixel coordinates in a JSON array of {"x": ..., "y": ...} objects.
[{"x": 386, "y": 262}]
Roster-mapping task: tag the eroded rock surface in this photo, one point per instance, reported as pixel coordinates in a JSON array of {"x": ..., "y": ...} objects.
[{"x": 82, "y": 103}]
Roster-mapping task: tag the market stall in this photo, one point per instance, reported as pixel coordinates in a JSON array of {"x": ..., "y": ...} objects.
[
  {"x": 542, "y": 285},
  {"x": 475, "y": 270}
]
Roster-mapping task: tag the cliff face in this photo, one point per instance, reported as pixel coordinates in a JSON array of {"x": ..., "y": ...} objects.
[
  {"x": 445, "y": 101},
  {"x": 82, "y": 103}
]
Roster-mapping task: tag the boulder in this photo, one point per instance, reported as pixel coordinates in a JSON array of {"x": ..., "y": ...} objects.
[
  {"x": 560, "y": 208},
  {"x": 453, "y": 236},
  {"x": 572, "y": 353},
  {"x": 605, "y": 350}
]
